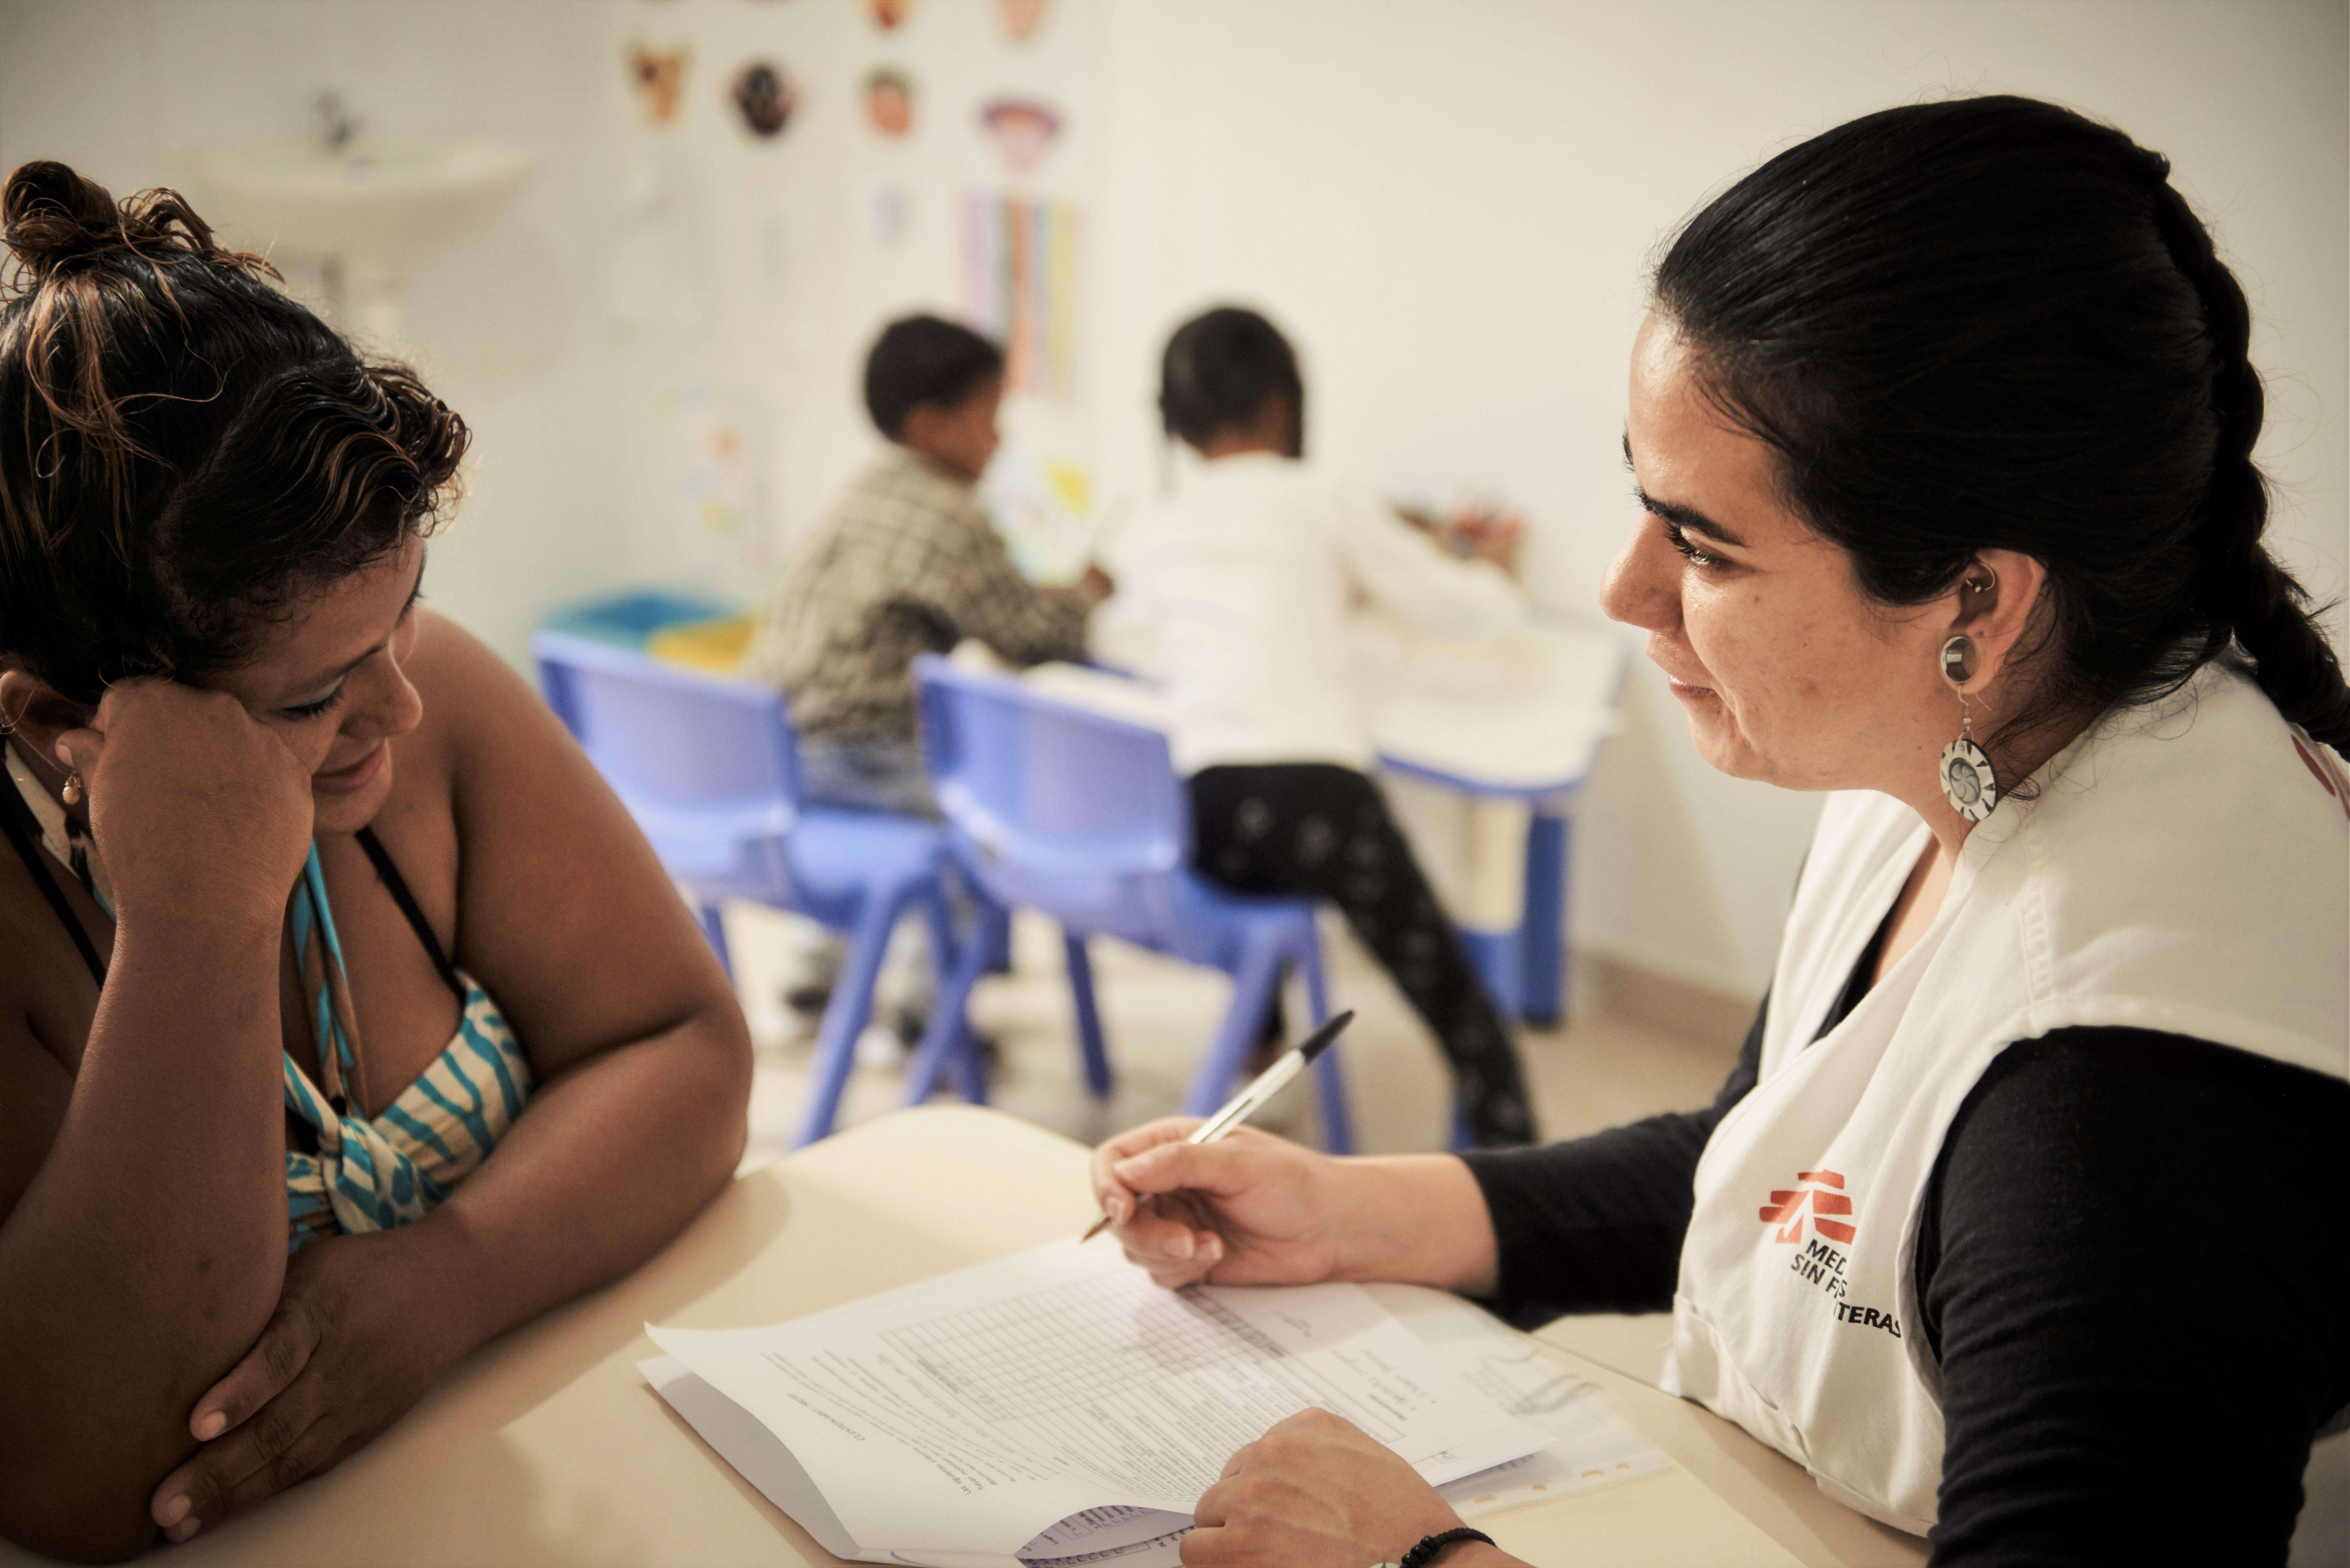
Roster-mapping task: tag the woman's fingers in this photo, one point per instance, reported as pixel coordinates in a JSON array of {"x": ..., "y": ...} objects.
[
  {"x": 278, "y": 1445},
  {"x": 1222, "y": 1169},
  {"x": 77, "y": 751},
  {"x": 271, "y": 1451},
  {"x": 1174, "y": 1254},
  {"x": 249, "y": 1404},
  {"x": 268, "y": 1369},
  {"x": 1116, "y": 1199}
]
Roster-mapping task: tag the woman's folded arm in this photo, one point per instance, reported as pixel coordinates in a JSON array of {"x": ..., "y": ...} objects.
[{"x": 145, "y": 1252}]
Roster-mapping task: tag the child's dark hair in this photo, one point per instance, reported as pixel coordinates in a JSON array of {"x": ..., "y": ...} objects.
[
  {"x": 1994, "y": 324},
  {"x": 923, "y": 359},
  {"x": 184, "y": 451},
  {"x": 1219, "y": 370}
]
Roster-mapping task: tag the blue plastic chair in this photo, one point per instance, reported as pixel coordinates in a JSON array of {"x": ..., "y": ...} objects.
[
  {"x": 710, "y": 770},
  {"x": 1058, "y": 808}
]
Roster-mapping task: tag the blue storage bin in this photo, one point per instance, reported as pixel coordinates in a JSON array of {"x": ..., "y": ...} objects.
[{"x": 628, "y": 619}]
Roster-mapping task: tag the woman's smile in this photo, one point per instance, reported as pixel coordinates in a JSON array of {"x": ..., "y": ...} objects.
[{"x": 355, "y": 777}]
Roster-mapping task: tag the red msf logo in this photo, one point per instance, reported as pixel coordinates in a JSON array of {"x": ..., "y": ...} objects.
[{"x": 1786, "y": 1208}]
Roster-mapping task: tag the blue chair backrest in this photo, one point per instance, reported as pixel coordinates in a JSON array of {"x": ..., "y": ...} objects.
[
  {"x": 673, "y": 743},
  {"x": 1053, "y": 804}
]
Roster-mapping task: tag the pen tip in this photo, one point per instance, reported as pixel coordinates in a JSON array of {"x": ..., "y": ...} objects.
[{"x": 1325, "y": 1034}]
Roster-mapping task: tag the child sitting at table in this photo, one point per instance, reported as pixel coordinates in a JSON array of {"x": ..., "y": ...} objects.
[
  {"x": 1246, "y": 580},
  {"x": 905, "y": 563}
]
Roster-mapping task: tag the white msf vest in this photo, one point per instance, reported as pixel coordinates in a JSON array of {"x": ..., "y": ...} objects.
[{"x": 2184, "y": 869}]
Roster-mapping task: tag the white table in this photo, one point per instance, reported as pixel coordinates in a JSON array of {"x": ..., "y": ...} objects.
[
  {"x": 1485, "y": 744},
  {"x": 547, "y": 1447}
]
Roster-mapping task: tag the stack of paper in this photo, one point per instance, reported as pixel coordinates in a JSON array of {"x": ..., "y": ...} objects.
[{"x": 1055, "y": 1408}]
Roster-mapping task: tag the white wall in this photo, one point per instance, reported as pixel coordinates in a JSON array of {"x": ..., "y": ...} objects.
[
  {"x": 1448, "y": 201},
  {"x": 129, "y": 92},
  {"x": 1451, "y": 201}
]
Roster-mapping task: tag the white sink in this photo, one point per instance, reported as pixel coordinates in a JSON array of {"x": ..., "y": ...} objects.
[{"x": 372, "y": 210}]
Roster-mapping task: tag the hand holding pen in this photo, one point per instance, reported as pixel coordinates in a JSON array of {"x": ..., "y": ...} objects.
[{"x": 1194, "y": 1198}]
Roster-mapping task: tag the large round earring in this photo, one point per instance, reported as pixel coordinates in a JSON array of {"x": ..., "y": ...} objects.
[{"x": 1968, "y": 782}]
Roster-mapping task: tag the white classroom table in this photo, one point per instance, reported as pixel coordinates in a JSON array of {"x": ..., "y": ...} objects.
[{"x": 546, "y": 1447}]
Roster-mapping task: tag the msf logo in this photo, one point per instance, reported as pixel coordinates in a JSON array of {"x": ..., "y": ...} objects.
[{"x": 1822, "y": 1192}]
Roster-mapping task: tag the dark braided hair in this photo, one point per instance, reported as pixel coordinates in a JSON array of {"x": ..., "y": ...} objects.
[
  {"x": 1991, "y": 323},
  {"x": 2246, "y": 592},
  {"x": 184, "y": 451}
]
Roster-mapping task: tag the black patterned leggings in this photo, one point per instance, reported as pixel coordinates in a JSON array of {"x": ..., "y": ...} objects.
[{"x": 1318, "y": 830}]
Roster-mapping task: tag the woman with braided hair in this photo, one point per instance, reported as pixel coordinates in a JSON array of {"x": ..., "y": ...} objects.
[
  {"x": 2020, "y": 1222},
  {"x": 316, "y": 1070}
]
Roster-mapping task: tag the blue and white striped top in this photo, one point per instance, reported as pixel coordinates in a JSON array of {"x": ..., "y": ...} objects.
[{"x": 362, "y": 1173}]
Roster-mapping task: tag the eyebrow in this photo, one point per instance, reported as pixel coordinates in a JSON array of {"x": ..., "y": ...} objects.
[
  {"x": 333, "y": 677},
  {"x": 1681, "y": 515}
]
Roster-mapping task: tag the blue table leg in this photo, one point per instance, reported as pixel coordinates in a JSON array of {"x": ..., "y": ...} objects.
[
  {"x": 1541, "y": 998},
  {"x": 1499, "y": 963},
  {"x": 1090, "y": 1030}
]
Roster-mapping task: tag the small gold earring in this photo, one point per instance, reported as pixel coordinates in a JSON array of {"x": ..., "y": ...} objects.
[{"x": 74, "y": 789}]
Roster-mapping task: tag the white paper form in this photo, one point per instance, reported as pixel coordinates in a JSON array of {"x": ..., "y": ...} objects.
[
  {"x": 1592, "y": 1448},
  {"x": 955, "y": 1421}
]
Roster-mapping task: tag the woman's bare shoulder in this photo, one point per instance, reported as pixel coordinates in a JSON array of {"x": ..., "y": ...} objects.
[{"x": 460, "y": 677}]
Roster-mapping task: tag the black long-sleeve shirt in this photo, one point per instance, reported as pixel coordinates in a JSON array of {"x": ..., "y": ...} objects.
[{"x": 2134, "y": 1266}]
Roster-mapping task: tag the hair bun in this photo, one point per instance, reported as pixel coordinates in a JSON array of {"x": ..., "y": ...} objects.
[{"x": 51, "y": 217}]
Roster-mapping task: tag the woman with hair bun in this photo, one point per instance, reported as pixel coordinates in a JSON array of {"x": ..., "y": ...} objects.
[
  {"x": 315, "y": 1068},
  {"x": 2020, "y": 1222}
]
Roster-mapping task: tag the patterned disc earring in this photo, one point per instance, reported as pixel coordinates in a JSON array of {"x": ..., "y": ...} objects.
[{"x": 1968, "y": 782}]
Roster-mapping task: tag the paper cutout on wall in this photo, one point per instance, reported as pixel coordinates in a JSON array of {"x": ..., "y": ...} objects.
[
  {"x": 656, "y": 260},
  {"x": 1023, "y": 130},
  {"x": 1019, "y": 284},
  {"x": 1021, "y": 18},
  {"x": 889, "y": 102},
  {"x": 888, "y": 14},
  {"x": 763, "y": 95},
  {"x": 721, "y": 507},
  {"x": 891, "y": 208},
  {"x": 659, "y": 75}
]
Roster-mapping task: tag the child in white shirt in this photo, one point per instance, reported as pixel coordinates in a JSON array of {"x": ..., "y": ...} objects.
[{"x": 1246, "y": 579}]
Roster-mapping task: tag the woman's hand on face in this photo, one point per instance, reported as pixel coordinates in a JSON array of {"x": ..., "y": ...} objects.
[
  {"x": 1249, "y": 1209},
  {"x": 196, "y": 805},
  {"x": 355, "y": 1341},
  {"x": 1316, "y": 1491}
]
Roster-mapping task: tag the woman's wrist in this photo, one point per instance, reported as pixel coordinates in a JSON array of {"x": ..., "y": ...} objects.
[
  {"x": 441, "y": 1257},
  {"x": 201, "y": 921},
  {"x": 1417, "y": 1218}
]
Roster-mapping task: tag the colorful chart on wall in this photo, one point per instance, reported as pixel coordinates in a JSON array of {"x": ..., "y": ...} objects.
[
  {"x": 888, "y": 14},
  {"x": 1023, "y": 130},
  {"x": 659, "y": 75},
  {"x": 1019, "y": 272},
  {"x": 1021, "y": 18},
  {"x": 763, "y": 97},
  {"x": 889, "y": 102}
]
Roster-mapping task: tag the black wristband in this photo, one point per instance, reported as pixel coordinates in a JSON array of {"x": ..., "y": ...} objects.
[{"x": 1432, "y": 1547}]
